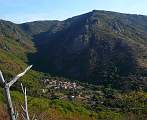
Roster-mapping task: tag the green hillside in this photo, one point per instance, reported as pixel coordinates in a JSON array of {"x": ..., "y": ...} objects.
[{"x": 13, "y": 54}]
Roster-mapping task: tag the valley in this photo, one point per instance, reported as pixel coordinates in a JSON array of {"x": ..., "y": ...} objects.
[{"x": 88, "y": 67}]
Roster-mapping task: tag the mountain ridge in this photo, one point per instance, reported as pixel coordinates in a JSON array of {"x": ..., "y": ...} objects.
[
  {"x": 99, "y": 47},
  {"x": 74, "y": 40}
]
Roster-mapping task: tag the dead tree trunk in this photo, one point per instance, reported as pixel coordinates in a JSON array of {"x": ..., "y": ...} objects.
[
  {"x": 6, "y": 86},
  {"x": 25, "y": 108},
  {"x": 9, "y": 103}
]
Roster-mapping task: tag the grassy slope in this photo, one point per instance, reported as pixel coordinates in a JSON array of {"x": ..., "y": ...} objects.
[{"x": 45, "y": 109}]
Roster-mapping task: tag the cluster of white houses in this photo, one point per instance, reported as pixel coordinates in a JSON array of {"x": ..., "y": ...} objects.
[{"x": 57, "y": 84}]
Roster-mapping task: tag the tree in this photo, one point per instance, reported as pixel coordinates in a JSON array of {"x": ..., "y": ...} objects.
[{"x": 6, "y": 87}]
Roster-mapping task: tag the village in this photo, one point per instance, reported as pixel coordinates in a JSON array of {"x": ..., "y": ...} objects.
[
  {"x": 59, "y": 84},
  {"x": 61, "y": 89}
]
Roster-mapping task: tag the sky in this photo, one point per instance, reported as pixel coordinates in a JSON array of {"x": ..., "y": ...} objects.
[{"x": 20, "y": 11}]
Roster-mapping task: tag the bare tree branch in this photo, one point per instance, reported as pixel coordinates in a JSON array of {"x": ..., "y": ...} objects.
[
  {"x": 2, "y": 80},
  {"x": 18, "y": 76},
  {"x": 23, "y": 116},
  {"x": 6, "y": 86},
  {"x": 22, "y": 88},
  {"x": 22, "y": 108},
  {"x": 33, "y": 118},
  {"x": 25, "y": 108},
  {"x": 26, "y": 105}
]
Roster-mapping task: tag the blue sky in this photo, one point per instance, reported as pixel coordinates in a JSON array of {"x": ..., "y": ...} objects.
[{"x": 19, "y": 11}]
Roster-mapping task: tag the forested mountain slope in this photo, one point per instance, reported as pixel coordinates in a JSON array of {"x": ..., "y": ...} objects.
[{"x": 99, "y": 47}]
